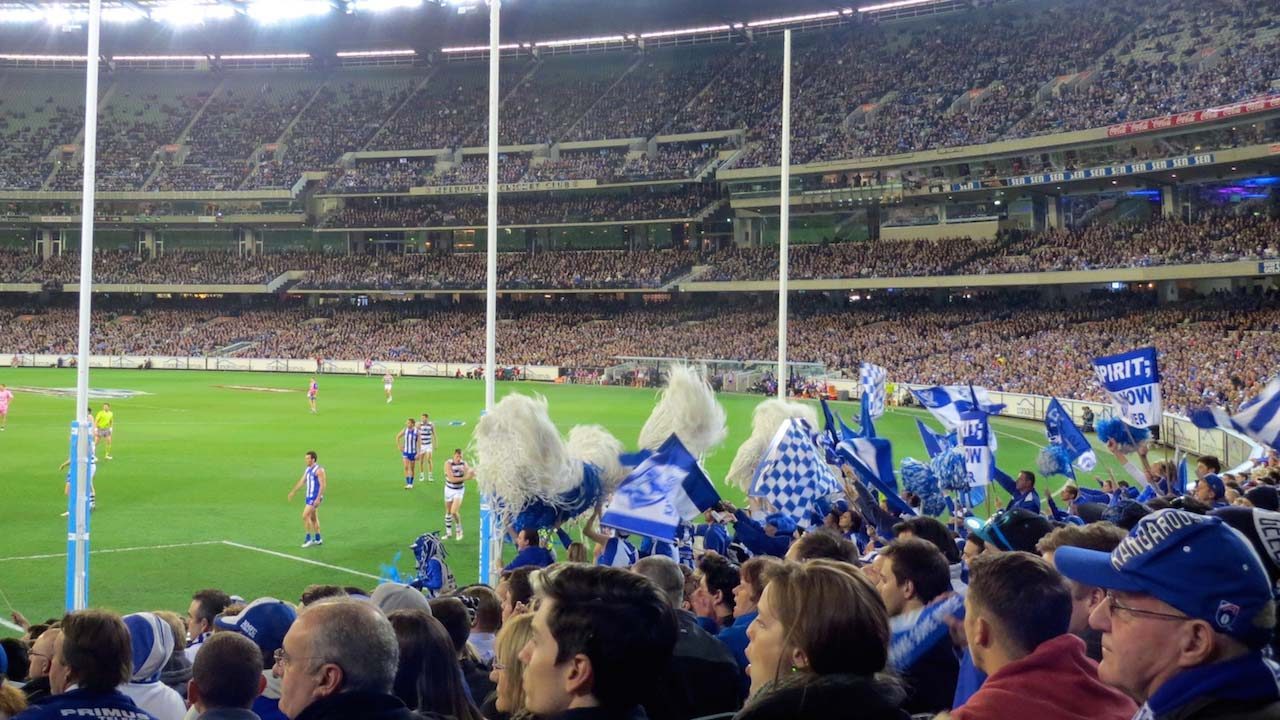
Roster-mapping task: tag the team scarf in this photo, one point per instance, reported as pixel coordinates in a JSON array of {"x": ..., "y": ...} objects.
[
  {"x": 915, "y": 633},
  {"x": 1244, "y": 679}
]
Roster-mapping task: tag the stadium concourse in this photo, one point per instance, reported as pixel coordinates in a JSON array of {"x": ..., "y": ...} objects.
[{"x": 1028, "y": 239}]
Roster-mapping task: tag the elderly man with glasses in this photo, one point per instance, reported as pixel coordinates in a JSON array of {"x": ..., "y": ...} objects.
[{"x": 1187, "y": 611}]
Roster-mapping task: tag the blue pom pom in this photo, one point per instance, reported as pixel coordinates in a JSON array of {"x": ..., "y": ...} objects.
[
  {"x": 948, "y": 467},
  {"x": 919, "y": 480},
  {"x": 1127, "y": 437},
  {"x": 1055, "y": 460}
]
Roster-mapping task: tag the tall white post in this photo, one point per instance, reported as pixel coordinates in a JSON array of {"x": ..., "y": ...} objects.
[
  {"x": 784, "y": 219},
  {"x": 490, "y": 533},
  {"x": 78, "y": 513}
]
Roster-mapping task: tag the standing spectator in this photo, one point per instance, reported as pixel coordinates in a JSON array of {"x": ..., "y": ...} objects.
[
  {"x": 595, "y": 632},
  {"x": 1017, "y": 613},
  {"x": 429, "y": 679},
  {"x": 91, "y": 658},
  {"x": 152, "y": 642},
  {"x": 205, "y": 606},
  {"x": 702, "y": 678},
  {"x": 1188, "y": 610},
  {"x": 339, "y": 662},
  {"x": 913, "y": 573},
  {"x": 227, "y": 678},
  {"x": 819, "y": 647},
  {"x": 529, "y": 551}
]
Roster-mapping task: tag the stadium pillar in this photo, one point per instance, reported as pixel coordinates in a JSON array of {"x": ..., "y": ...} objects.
[
  {"x": 784, "y": 220},
  {"x": 77, "y": 587},
  {"x": 490, "y": 534}
]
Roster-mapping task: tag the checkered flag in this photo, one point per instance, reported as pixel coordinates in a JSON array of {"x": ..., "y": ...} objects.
[
  {"x": 871, "y": 378},
  {"x": 793, "y": 474}
]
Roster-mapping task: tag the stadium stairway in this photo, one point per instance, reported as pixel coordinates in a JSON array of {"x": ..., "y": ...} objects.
[
  {"x": 78, "y": 140},
  {"x": 182, "y": 136},
  {"x": 706, "y": 212},
  {"x": 568, "y": 132},
  {"x": 422, "y": 84}
]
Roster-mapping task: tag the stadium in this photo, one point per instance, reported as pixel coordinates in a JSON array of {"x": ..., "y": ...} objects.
[{"x": 863, "y": 322}]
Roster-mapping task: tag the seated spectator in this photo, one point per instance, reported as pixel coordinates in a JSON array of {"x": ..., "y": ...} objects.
[
  {"x": 227, "y": 678},
  {"x": 429, "y": 679},
  {"x": 506, "y": 702},
  {"x": 41, "y": 654},
  {"x": 515, "y": 592},
  {"x": 92, "y": 657},
  {"x": 152, "y": 641},
  {"x": 702, "y": 678},
  {"x": 176, "y": 672},
  {"x": 753, "y": 576},
  {"x": 456, "y": 619},
  {"x": 1100, "y": 536},
  {"x": 823, "y": 543},
  {"x": 486, "y": 622},
  {"x": 338, "y": 662},
  {"x": 819, "y": 647},
  {"x": 265, "y": 621},
  {"x": 596, "y": 630},
  {"x": 1189, "y": 608},
  {"x": 713, "y": 604},
  {"x": 912, "y": 574},
  {"x": 392, "y": 596},
  {"x": 205, "y": 606},
  {"x": 1017, "y": 613}
]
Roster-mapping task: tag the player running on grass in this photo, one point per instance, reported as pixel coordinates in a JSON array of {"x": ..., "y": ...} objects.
[
  {"x": 426, "y": 446},
  {"x": 314, "y": 478},
  {"x": 387, "y": 380},
  {"x": 456, "y": 474},
  {"x": 312, "y": 390},
  {"x": 407, "y": 444},
  {"x": 92, "y": 469}
]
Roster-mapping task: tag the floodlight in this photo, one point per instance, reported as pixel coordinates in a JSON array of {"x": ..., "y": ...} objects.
[
  {"x": 374, "y": 53},
  {"x": 20, "y": 15},
  {"x": 270, "y": 11},
  {"x": 382, "y": 5},
  {"x": 795, "y": 19},
  {"x": 185, "y": 14}
]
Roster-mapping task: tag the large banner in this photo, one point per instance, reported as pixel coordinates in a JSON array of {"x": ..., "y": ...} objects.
[
  {"x": 1195, "y": 116},
  {"x": 975, "y": 442},
  {"x": 482, "y": 188},
  {"x": 1132, "y": 379}
]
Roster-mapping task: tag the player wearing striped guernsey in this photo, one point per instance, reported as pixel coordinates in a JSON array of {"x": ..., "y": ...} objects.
[
  {"x": 407, "y": 443},
  {"x": 387, "y": 380},
  {"x": 456, "y": 475},
  {"x": 426, "y": 444},
  {"x": 312, "y": 390},
  {"x": 314, "y": 479},
  {"x": 91, "y": 470}
]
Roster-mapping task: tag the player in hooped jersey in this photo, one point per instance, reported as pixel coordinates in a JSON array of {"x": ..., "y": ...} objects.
[
  {"x": 456, "y": 474},
  {"x": 93, "y": 465},
  {"x": 314, "y": 479},
  {"x": 426, "y": 445},
  {"x": 387, "y": 380},
  {"x": 312, "y": 389},
  {"x": 407, "y": 444}
]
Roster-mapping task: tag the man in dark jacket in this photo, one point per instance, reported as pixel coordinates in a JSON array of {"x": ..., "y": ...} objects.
[
  {"x": 1187, "y": 613},
  {"x": 598, "y": 634},
  {"x": 41, "y": 661},
  {"x": 703, "y": 676},
  {"x": 226, "y": 678},
  {"x": 339, "y": 662},
  {"x": 91, "y": 657},
  {"x": 911, "y": 573},
  {"x": 530, "y": 551}
]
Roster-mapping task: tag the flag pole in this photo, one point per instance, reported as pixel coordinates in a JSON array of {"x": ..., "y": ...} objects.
[
  {"x": 77, "y": 597},
  {"x": 490, "y": 538},
  {"x": 784, "y": 220}
]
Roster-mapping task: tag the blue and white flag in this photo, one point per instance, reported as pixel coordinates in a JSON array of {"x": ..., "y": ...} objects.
[
  {"x": 667, "y": 487},
  {"x": 872, "y": 460},
  {"x": 1060, "y": 430},
  {"x": 975, "y": 443},
  {"x": 1183, "y": 477},
  {"x": 1132, "y": 379},
  {"x": 793, "y": 475},
  {"x": 936, "y": 443},
  {"x": 871, "y": 378},
  {"x": 1258, "y": 418},
  {"x": 913, "y": 634},
  {"x": 866, "y": 428},
  {"x": 946, "y": 402}
]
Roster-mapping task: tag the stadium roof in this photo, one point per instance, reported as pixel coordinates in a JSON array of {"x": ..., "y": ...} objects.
[{"x": 323, "y": 27}]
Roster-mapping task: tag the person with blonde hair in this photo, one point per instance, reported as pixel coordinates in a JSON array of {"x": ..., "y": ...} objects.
[
  {"x": 507, "y": 702},
  {"x": 818, "y": 647}
]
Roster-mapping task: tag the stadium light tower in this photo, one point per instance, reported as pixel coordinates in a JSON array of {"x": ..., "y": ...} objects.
[{"x": 77, "y": 594}]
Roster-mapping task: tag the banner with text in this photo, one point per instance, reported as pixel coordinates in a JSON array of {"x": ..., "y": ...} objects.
[{"x": 1132, "y": 379}]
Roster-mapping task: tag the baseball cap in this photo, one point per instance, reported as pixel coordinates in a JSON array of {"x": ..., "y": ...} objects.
[
  {"x": 1126, "y": 513},
  {"x": 1196, "y": 563},
  {"x": 264, "y": 621},
  {"x": 783, "y": 522},
  {"x": 1011, "y": 529},
  {"x": 1215, "y": 482},
  {"x": 1264, "y": 496},
  {"x": 1262, "y": 529}
]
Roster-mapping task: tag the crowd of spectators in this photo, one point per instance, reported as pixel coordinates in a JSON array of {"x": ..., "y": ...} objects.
[{"x": 1213, "y": 349}]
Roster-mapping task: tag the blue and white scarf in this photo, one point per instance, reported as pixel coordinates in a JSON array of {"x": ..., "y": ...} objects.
[
  {"x": 1244, "y": 679},
  {"x": 914, "y": 634}
]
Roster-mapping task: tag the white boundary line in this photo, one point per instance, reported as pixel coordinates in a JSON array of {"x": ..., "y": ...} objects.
[
  {"x": 300, "y": 559},
  {"x": 11, "y": 626},
  {"x": 106, "y": 551}
]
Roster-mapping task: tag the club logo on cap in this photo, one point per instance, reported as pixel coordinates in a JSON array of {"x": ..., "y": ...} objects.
[
  {"x": 252, "y": 632},
  {"x": 1227, "y": 614}
]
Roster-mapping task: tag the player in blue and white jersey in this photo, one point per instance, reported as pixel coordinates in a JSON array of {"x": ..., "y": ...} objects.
[
  {"x": 426, "y": 445},
  {"x": 456, "y": 474},
  {"x": 93, "y": 464},
  {"x": 314, "y": 479},
  {"x": 407, "y": 444}
]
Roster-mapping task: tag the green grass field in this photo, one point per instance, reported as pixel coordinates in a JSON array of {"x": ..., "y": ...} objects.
[{"x": 195, "y": 496}]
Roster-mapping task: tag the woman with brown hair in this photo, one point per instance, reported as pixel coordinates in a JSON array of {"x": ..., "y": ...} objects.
[
  {"x": 818, "y": 647},
  {"x": 429, "y": 678},
  {"x": 507, "y": 702}
]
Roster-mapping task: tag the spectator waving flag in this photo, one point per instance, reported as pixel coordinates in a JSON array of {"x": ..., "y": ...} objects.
[
  {"x": 1061, "y": 431},
  {"x": 1258, "y": 418},
  {"x": 946, "y": 402},
  {"x": 975, "y": 443},
  {"x": 872, "y": 379},
  {"x": 793, "y": 474},
  {"x": 1132, "y": 379},
  {"x": 872, "y": 460},
  {"x": 667, "y": 487}
]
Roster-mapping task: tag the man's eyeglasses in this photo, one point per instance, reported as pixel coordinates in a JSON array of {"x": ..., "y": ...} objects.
[
  {"x": 284, "y": 659},
  {"x": 1115, "y": 605}
]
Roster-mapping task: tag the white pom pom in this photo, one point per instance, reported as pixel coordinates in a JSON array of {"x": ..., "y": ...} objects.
[
  {"x": 765, "y": 421},
  {"x": 687, "y": 408}
]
